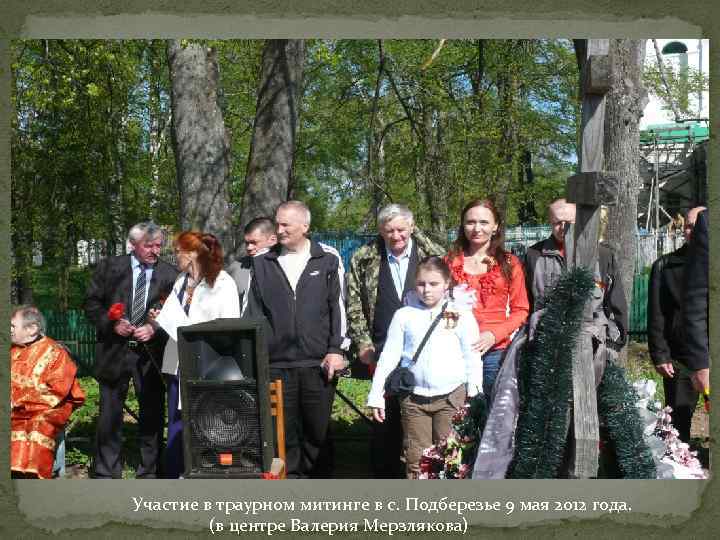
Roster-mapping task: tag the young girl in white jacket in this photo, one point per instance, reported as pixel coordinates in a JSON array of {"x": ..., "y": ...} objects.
[{"x": 447, "y": 370}]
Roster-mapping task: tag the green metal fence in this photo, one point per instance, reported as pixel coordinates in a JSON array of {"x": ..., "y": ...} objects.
[
  {"x": 638, "y": 307},
  {"x": 75, "y": 331}
]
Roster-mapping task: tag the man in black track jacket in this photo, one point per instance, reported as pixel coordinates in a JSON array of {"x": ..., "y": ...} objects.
[{"x": 297, "y": 286}]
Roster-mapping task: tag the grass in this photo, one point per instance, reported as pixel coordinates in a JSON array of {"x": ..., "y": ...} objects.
[
  {"x": 80, "y": 432},
  {"x": 350, "y": 433},
  {"x": 639, "y": 366}
]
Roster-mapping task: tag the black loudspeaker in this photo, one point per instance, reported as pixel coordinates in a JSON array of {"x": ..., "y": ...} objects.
[{"x": 225, "y": 399}]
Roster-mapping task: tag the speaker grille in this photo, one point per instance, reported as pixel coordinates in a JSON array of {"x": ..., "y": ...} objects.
[{"x": 225, "y": 427}]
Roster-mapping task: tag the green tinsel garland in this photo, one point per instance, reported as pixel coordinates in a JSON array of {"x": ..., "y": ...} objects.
[
  {"x": 617, "y": 410},
  {"x": 545, "y": 379}
]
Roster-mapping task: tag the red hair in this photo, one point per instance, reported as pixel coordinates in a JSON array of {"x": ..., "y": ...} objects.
[{"x": 208, "y": 249}]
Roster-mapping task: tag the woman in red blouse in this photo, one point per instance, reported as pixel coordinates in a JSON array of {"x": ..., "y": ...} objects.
[{"x": 479, "y": 260}]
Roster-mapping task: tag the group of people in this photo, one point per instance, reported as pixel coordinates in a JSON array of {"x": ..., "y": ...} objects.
[
  {"x": 447, "y": 316},
  {"x": 295, "y": 283},
  {"x": 483, "y": 293}
]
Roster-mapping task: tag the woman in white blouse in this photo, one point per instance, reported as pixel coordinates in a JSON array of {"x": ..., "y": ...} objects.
[
  {"x": 204, "y": 292},
  {"x": 447, "y": 370}
]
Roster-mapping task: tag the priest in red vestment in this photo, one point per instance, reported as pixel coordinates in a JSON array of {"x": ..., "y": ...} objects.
[{"x": 44, "y": 392}]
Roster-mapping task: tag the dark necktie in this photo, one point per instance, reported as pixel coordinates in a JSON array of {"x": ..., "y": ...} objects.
[
  {"x": 138, "y": 305},
  {"x": 184, "y": 296}
]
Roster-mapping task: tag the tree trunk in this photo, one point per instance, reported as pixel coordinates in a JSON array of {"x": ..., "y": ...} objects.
[
  {"x": 200, "y": 141},
  {"x": 434, "y": 169},
  {"x": 115, "y": 156},
  {"x": 509, "y": 97},
  {"x": 268, "y": 181},
  {"x": 375, "y": 142},
  {"x": 21, "y": 290},
  {"x": 624, "y": 106},
  {"x": 376, "y": 166},
  {"x": 527, "y": 215},
  {"x": 158, "y": 120}
]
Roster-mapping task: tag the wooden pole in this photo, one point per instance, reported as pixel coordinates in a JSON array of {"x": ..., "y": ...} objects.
[{"x": 588, "y": 190}]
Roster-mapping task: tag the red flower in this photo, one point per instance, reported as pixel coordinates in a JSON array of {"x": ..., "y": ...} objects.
[
  {"x": 116, "y": 311},
  {"x": 270, "y": 476}
]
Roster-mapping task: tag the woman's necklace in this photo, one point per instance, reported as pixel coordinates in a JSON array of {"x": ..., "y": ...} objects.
[{"x": 479, "y": 263}]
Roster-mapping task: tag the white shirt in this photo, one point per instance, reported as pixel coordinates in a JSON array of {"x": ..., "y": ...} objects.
[
  {"x": 446, "y": 361},
  {"x": 293, "y": 263},
  {"x": 208, "y": 303}
]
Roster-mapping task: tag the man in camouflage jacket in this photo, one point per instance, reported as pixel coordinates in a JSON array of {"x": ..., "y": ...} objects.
[{"x": 381, "y": 273}]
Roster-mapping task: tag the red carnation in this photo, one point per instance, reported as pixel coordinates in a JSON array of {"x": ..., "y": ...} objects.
[{"x": 116, "y": 311}]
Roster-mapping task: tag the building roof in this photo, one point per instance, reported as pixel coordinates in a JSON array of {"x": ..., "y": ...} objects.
[{"x": 675, "y": 133}]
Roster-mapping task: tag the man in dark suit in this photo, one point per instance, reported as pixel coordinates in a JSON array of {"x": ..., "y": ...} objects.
[
  {"x": 130, "y": 347},
  {"x": 666, "y": 331}
]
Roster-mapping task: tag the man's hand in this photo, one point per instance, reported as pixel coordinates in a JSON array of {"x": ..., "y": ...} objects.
[
  {"x": 152, "y": 314},
  {"x": 144, "y": 333},
  {"x": 367, "y": 355},
  {"x": 378, "y": 414},
  {"x": 700, "y": 379},
  {"x": 331, "y": 363},
  {"x": 484, "y": 343},
  {"x": 123, "y": 328},
  {"x": 666, "y": 370}
]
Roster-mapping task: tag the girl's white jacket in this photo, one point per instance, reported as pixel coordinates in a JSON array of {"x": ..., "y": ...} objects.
[{"x": 446, "y": 361}]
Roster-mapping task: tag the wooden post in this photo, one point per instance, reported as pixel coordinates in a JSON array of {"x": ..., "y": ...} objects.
[{"x": 588, "y": 190}]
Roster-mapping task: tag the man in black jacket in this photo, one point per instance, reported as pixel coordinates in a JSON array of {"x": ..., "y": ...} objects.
[
  {"x": 697, "y": 350},
  {"x": 297, "y": 287},
  {"x": 130, "y": 347},
  {"x": 545, "y": 261},
  {"x": 258, "y": 236},
  {"x": 666, "y": 331}
]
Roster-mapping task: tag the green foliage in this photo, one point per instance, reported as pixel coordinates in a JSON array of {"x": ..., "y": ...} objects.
[
  {"x": 545, "y": 379},
  {"x": 681, "y": 84},
  {"x": 45, "y": 287},
  {"x": 343, "y": 416},
  {"x": 444, "y": 127},
  {"x": 408, "y": 121},
  {"x": 239, "y": 63},
  {"x": 89, "y": 146},
  {"x": 88, "y": 411}
]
